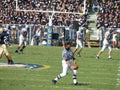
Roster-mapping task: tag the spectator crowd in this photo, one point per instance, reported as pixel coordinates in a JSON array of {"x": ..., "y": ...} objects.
[
  {"x": 108, "y": 14},
  {"x": 9, "y": 15}
]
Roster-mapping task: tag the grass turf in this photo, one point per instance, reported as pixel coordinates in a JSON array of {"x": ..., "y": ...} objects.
[{"x": 93, "y": 74}]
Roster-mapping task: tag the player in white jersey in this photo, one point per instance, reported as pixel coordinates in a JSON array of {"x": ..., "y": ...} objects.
[
  {"x": 22, "y": 40},
  {"x": 106, "y": 43},
  {"x": 68, "y": 62},
  {"x": 79, "y": 41}
]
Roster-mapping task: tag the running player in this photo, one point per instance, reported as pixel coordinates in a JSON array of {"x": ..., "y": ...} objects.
[
  {"x": 3, "y": 47},
  {"x": 22, "y": 41},
  {"x": 67, "y": 63},
  {"x": 79, "y": 41},
  {"x": 106, "y": 43}
]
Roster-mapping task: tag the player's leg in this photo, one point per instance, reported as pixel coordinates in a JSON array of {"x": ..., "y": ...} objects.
[
  {"x": 81, "y": 47},
  {"x": 76, "y": 46},
  {"x": 20, "y": 44},
  {"x": 101, "y": 51},
  {"x": 109, "y": 52},
  {"x": 24, "y": 46},
  {"x": 75, "y": 49},
  {"x": 17, "y": 49},
  {"x": 116, "y": 44},
  {"x": 64, "y": 72},
  {"x": 8, "y": 56},
  {"x": 87, "y": 40},
  {"x": 1, "y": 52},
  {"x": 74, "y": 73},
  {"x": 88, "y": 43},
  {"x": 113, "y": 44},
  {"x": 21, "y": 50}
]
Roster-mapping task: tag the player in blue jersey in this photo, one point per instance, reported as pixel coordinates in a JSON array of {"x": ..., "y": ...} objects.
[{"x": 3, "y": 47}]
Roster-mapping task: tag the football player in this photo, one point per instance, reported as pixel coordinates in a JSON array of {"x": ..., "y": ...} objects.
[
  {"x": 3, "y": 47},
  {"x": 106, "y": 43},
  {"x": 79, "y": 41},
  {"x": 22, "y": 41}
]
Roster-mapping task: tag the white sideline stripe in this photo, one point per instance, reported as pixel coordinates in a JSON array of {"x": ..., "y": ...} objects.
[{"x": 14, "y": 65}]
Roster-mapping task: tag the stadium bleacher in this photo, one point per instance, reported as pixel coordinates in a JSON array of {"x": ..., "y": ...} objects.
[
  {"x": 11, "y": 16},
  {"x": 108, "y": 13}
]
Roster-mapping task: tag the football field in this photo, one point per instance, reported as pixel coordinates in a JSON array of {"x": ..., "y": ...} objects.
[{"x": 102, "y": 74}]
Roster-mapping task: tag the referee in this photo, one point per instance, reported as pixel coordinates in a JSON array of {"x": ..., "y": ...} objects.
[{"x": 68, "y": 62}]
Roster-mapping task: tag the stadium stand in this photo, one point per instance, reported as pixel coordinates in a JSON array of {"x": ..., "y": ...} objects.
[
  {"x": 9, "y": 15},
  {"x": 107, "y": 14}
]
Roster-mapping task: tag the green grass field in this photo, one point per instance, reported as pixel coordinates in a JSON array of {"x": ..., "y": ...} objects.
[{"x": 93, "y": 74}]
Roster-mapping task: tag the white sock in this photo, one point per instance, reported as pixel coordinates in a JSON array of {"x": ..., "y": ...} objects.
[
  {"x": 58, "y": 77},
  {"x": 74, "y": 81}
]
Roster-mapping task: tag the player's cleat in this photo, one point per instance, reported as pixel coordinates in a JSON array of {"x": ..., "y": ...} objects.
[
  {"x": 10, "y": 62},
  {"x": 54, "y": 81},
  {"x": 109, "y": 57},
  {"x": 16, "y": 51},
  {"x": 21, "y": 50},
  {"x": 97, "y": 57},
  {"x": 76, "y": 83}
]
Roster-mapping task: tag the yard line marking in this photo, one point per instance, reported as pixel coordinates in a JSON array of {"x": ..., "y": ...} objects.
[{"x": 118, "y": 77}]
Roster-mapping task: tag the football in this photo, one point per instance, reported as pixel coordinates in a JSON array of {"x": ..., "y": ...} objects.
[{"x": 76, "y": 67}]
